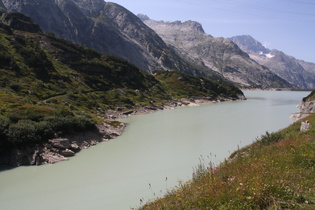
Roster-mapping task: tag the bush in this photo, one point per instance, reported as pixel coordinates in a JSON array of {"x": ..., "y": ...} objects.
[
  {"x": 4, "y": 125},
  {"x": 269, "y": 138},
  {"x": 23, "y": 132},
  {"x": 27, "y": 127}
]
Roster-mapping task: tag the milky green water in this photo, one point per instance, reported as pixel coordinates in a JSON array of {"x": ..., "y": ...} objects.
[{"x": 154, "y": 153}]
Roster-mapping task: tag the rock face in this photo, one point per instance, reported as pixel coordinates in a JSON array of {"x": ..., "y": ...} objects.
[
  {"x": 219, "y": 54},
  {"x": 305, "y": 126},
  {"x": 106, "y": 27},
  {"x": 60, "y": 143},
  {"x": 299, "y": 73},
  {"x": 306, "y": 107}
]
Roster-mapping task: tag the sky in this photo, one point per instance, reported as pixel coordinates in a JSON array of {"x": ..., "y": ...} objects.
[{"x": 285, "y": 25}]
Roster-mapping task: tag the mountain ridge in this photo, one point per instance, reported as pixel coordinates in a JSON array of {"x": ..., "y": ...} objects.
[
  {"x": 297, "y": 72},
  {"x": 111, "y": 28},
  {"x": 103, "y": 26},
  {"x": 219, "y": 54}
]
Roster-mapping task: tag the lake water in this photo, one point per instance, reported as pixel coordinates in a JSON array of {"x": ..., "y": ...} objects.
[{"x": 155, "y": 152}]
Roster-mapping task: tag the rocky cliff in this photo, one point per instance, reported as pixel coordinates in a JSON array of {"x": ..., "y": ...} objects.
[
  {"x": 219, "y": 54},
  {"x": 308, "y": 104},
  {"x": 297, "y": 72}
]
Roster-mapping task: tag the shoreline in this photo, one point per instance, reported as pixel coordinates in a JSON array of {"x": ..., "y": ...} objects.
[{"x": 65, "y": 146}]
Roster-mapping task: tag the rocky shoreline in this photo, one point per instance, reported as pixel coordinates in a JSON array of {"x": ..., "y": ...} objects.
[
  {"x": 63, "y": 147},
  {"x": 60, "y": 149}
]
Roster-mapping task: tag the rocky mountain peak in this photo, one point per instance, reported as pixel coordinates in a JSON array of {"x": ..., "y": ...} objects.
[
  {"x": 249, "y": 44},
  {"x": 177, "y": 31},
  {"x": 143, "y": 17},
  {"x": 294, "y": 71}
]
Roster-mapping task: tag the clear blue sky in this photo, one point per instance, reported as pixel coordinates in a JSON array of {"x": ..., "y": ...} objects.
[{"x": 285, "y": 25}]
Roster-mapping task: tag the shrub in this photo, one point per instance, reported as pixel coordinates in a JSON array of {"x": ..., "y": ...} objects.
[
  {"x": 4, "y": 125},
  {"x": 23, "y": 132},
  {"x": 269, "y": 138}
]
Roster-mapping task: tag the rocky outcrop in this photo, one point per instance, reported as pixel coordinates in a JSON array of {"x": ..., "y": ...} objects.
[
  {"x": 305, "y": 126},
  {"x": 307, "y": 106},
  {"x": 20, "y": 22},
  {"x": 60, "y": 149},
  {"x": 299, "y": 73}
]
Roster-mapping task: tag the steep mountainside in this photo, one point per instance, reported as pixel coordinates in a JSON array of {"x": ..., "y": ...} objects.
[
  {"x": 2, "y": 7},
  {"x": 218, "y": 54},
  {"x": 50, "y": 86},
  {"x": 297, "y": 72},
  {"x": 106, "y": 27}
]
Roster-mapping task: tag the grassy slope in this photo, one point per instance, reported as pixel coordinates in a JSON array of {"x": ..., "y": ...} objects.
[{"x": 275, "y": 172}]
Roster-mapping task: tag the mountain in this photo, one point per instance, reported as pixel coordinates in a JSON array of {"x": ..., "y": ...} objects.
[
  {"x": 220, "y": 54},
  {"x": 51, "y": 86},
  {"x": 297, "y": 72},
  {"x": 112, "y": 29},
  {"x": 106, "y": 27},
  {"x": 2, "y": 7}
]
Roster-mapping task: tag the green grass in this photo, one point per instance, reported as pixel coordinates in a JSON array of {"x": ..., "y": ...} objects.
[
  {"x": 310, "y": 97},
  {"x": 275, "y": 172}
]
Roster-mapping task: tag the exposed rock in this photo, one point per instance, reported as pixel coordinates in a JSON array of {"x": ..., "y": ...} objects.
[
  {"x": 219, "y": 54},
  {"x": 297, "y": 72},
  {"x": 307, "y": 107},
  {"x": 305, "y": 126},
  {"x": 48, "y": 157},
  {"x": 67, "y": 153},
  {"x": 60, "y": 143},
  {"x": 74, "y": 146},
  {"x": 128, "y": 112}
]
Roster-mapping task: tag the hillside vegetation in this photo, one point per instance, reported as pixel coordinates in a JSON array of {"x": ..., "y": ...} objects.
[
  {"x": 275, "y": 172},
  {"x": 49, "y": 85}
]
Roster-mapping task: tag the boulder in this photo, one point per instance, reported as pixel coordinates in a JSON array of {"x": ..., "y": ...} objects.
[
  {"x": 305, "y": 126},
  {"x": 74, "y": 147},
  {"x": 60, "y": 143},
  {"x": 67, "y": 153}
]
